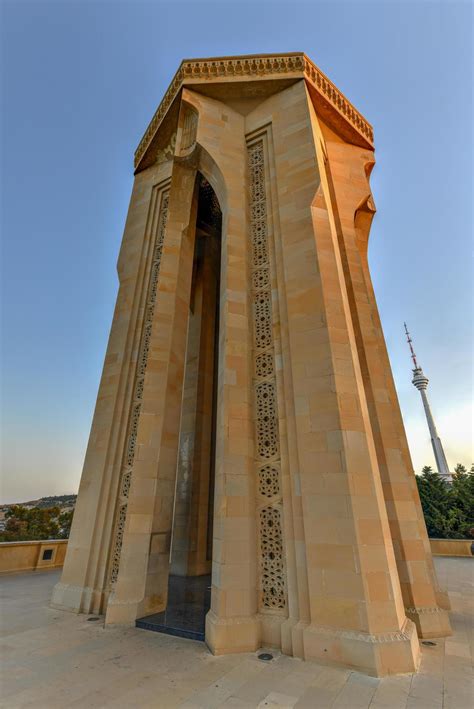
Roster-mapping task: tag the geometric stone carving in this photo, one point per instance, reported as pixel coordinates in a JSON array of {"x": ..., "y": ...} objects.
[
  {"x": 145, "y": 346},
  {"x": 125, "y": 484},
  {"x": 264, "y": 365},
  {"x": 260, "y": 279},
  {"x": 269, "y": 481},
  {"x": 271, "y": 551},
  {"x": 272, "y": 575},
  {"x": 119, "y": 529},
  {"x": 267, "y": 420},
  {"x": 132, "y": 433},
  {"x": 262, "y": 314}
]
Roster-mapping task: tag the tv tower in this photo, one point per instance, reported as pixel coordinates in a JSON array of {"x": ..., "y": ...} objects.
[{"x": 420, "y": 381}]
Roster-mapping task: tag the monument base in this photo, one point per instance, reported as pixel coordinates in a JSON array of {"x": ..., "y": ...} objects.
[
  {"x": 228, "y": 635},
  {"x": 430, "y": 622},
  {"x": 377, "y": 655},
  {"x": 77, "y": 599},
  {"x": 442, "y": 599}
]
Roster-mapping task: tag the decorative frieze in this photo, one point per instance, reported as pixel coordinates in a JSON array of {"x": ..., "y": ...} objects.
[
  {"x": 135, "y": 408},
  {"x": 267, "y": 444},
  {"x": 255, "y": 67}
]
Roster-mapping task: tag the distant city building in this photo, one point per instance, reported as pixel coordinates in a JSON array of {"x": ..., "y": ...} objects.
[{"x": 420, "y": 381}]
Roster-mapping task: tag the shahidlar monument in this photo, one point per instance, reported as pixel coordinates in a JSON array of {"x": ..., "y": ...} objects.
[{"x": 247, "y": 480}]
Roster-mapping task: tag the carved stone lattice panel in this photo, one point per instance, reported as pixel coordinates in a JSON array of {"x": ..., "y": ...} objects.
[
  {"x": 132, "y": 433},
  {"x": 143, "y": 350},
  {"x": 264, "y": 366},
  {"x": 267, "y": 421},
  {"x": 125, "y": 483},
  {"x": 262, "y": 314},
  {"x": 271, "y": 551},
  {"x": 119, "y": 530},
  {"x": 258, "y": 210},
  {"x": 139, "y": 389},
  {"x": 272, "y": 577},
  {"x": 269, "y": 480},
  {"x": 260, "y": 254},
  {"x": 260, "y": 279}
]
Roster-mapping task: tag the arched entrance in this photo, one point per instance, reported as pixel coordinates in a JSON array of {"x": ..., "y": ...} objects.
[{"x": 189, "y": 583}]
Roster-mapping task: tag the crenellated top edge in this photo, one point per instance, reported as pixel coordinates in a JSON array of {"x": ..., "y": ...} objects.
[{"x": 255, "y": 67}]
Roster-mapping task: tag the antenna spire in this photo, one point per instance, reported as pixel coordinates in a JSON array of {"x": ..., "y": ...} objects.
[
  {"x": 410, "y": 344},
  {"x": 420, "y": 381}
]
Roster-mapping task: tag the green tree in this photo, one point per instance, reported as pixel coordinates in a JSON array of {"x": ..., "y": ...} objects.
[
  {"x": 462, "y": 491},
  {"x": 434, "y": 496},
  {"x": 65, "y": 521},
  {"x": 25, "y": 524},
  {"x": 448, "y": 507}
]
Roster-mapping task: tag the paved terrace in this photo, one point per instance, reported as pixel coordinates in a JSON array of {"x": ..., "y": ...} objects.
[{"x": 57, "y": 659}]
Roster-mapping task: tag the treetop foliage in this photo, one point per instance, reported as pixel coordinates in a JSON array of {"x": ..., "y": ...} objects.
[
  {"x": 24, "y": 524},
  {"x": 448, "y": 507}
]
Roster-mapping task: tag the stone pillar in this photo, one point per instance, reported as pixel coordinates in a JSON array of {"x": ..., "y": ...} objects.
[
  {"x": 348, "y": 168},
  {"x": 355, "y": 605},
  {"x": 142, "y": 581},
  {"x": 84, "y": 583},
  {"x": 232, "y": 624}
]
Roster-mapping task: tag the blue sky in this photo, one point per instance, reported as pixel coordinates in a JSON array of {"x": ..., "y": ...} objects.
[{"x": 80, "y": 82}]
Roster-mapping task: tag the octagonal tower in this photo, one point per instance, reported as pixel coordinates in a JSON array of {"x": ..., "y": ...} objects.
[{"x": 247, "y": 435}]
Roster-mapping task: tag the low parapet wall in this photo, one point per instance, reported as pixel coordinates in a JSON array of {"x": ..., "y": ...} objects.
[
  {"x": 451, "y": 547},
  {"x": 29, "y": 556}
]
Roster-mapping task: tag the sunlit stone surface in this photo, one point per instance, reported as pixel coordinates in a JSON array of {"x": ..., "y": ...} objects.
[
  {"x": 55, "y": 659},
  {"x": 247, "y": 423}
]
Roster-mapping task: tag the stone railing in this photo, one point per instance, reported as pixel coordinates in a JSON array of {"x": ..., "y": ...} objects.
[
  {"x": 452, "y": 547},
  {"x": 32, "y": 556}
]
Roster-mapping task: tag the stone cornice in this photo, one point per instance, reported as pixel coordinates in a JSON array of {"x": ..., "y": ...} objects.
[
  {"x": 337, "y": 100},
  {"x": 253, "y": 67}
]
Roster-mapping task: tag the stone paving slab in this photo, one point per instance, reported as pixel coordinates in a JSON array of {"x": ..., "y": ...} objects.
[{"x": 53, "y": 659}]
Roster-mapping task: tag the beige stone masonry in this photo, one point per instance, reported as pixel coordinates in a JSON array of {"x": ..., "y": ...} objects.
[
  {"x": 84, "y": 583},
  {"x": 348, "y": 168},
  {"x": 318, "y": 542}
]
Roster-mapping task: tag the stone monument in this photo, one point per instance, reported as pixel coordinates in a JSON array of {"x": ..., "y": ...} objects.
[{"x": 247, "y": 429}]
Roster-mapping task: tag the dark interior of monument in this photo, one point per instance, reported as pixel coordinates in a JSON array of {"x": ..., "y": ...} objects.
[{"x": 189, "y": 583}]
